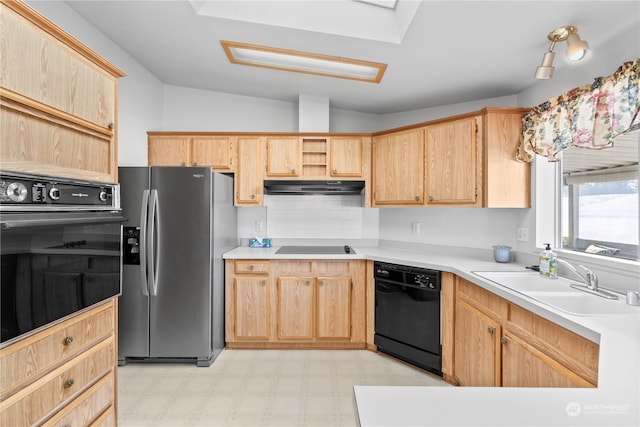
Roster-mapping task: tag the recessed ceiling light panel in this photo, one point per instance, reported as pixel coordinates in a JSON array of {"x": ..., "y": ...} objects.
[{"x": 303, "y": 62}]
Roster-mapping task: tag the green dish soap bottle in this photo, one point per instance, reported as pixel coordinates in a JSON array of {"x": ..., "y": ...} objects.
[{"x": 549, "y": 263}]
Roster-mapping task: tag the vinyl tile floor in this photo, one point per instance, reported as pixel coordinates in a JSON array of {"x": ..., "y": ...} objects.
[{"x": 258, "y": 388}]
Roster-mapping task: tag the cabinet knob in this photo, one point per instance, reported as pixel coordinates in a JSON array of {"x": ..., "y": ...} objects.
[
  {"x": 253, "y": 197},
  {"x": 68, "y": 340},
  {"x": 431, "y": 198},
  {"x": 69, "y": 383},
  {"x": 112, "y": 125},
  {"x": 293, "y": 171},
  {"x": 263, "y": 282},
  {"x": 335, "y": 171},
  {"x": 194, "y": 164},
  {"x": 491, "y": 330},
  {"x": 307, "y": 282},
  {"x": 417, "y": 198},
  {"x": 183, "y": 164},
  {"x": 251, "y": 268},
  {"x": 321, "y": 282},
  {"x": 503, "y": 341}
]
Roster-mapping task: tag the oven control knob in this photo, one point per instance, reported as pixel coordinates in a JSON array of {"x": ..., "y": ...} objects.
[
  {"x": 54, "y": 193},
  {"x": 17, "y": 192},
  {"x": 103, "y": 196}
]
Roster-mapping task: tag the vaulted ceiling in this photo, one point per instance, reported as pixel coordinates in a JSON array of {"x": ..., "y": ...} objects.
[{"x": 438, "y": 52}]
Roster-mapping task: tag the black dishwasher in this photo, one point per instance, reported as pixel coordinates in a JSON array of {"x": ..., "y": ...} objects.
[{"x": 407, "y": 314}]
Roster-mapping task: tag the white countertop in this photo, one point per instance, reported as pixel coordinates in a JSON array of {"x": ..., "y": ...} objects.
[{"x": 615, "y": 402}]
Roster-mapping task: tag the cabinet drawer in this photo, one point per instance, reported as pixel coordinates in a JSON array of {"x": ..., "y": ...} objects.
[
  {"x": 28, "y": 359},
  {"x": 251, "y": 266},
  {"x": 41, "y": 398},
  {"x": 107, "y": 419},
  {"x": 88, "y": 406}
]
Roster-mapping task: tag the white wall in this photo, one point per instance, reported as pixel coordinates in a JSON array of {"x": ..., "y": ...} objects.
[
  {"x": 390, "y": 121},
  {"x": 465, "y": 227},
  {"x": 188, "y": 109}
]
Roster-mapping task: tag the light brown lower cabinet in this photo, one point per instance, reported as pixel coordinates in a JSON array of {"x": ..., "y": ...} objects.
[
  {"x": 498, "y": 343},
  {"x": 64, "y": 374},
  {"x": 295, "y": 304}
]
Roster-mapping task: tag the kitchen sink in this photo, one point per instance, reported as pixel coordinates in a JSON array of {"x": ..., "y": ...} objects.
[
  {"x": 581, "y": 304},
  {"x": 559, "y": 294},
  {"x": 522, "y": 281}
]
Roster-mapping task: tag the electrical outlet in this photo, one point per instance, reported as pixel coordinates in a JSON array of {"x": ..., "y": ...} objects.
[
  {"x": 523, "y": 234},
  {"x": 415, "y": 228},
  {"x": 259, "y": 226}
]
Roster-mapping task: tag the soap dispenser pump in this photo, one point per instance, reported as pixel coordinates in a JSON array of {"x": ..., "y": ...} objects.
[{"x": 548, "y": 263}]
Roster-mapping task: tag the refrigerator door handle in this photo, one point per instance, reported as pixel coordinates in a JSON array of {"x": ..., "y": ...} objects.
[
  {"x": 143, "y": 243},
  {"x": 154, "y": 241}
]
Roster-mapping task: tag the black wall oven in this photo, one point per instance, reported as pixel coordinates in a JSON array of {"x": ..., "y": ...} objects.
[
  {"x": 60, "y": 250},
  {"x": 407, "y": 314}
]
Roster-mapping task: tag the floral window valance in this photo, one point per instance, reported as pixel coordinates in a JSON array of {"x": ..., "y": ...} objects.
[{"x": 589, "y": 116}]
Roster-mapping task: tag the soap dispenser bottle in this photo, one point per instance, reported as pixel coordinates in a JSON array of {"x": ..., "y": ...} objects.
[{"x": 548, "y": 263}]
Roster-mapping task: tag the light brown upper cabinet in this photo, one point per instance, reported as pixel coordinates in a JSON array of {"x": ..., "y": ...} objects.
[
  {"x": 283, "y": 156},
  {"x": 179, "y": 149},
  {"x": 57, "y": 100},
  {"x": 168, "y": 150},
  {"x": 452, "y": 163},
  {"x": 346, "y": 156},
  {"x": 249, "y": 176},
  {"x": 398, "y": 168},
  {"x": 506, "y": 182},
  {"x": 466, "y": 160}
]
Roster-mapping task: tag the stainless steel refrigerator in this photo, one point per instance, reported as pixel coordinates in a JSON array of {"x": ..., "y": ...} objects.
[{"x": 180, "y": 220}]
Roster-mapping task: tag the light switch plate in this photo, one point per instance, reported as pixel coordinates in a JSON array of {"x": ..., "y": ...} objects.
[{"x": 523, "y": 234}]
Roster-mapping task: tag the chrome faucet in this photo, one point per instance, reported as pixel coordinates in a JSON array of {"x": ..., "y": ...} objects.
[{"x": 589, "y": 278}]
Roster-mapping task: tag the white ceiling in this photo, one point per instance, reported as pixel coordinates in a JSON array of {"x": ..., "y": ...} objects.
[{"x": 449, "y": 52}]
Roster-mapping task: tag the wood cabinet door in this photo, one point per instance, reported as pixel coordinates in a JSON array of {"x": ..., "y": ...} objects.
[
  {"x": 295, "y": 307},
  {"x": 214, "y": 151},
  {"x": 251, "y": 301},
  {"x": 283, "y": 156},
  {"x": 507, "y": 182},
  {"x": 398, "y": 168},
  {"x": 334, "y": 307},
  {"x": 345, "y": 156},
  {"x": 168, "y": 151},
  {"x": 476, "y": 347},
  {"x": 248, "y": 180},
  {"x": 452, "y": 162},
  {"x": 525, "y": 366}
]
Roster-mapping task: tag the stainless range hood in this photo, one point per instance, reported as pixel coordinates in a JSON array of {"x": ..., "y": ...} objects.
[{"x": 296, "y": 187}]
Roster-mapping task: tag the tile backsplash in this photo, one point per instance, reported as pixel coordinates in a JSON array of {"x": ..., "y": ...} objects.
[{"x": 315, "y": 216}]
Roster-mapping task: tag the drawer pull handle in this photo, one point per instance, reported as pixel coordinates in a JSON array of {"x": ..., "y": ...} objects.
[
  {"x": 68, "y": 340},
  {"x": 251, "y": 268},
  {"x": 69, "y": 383}
]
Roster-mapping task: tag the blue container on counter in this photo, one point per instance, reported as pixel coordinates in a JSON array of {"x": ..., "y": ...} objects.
[{"x": 501, "y": 253}]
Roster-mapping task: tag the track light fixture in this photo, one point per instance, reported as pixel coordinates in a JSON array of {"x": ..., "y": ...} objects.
[{"x": 577, "y": 50}]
